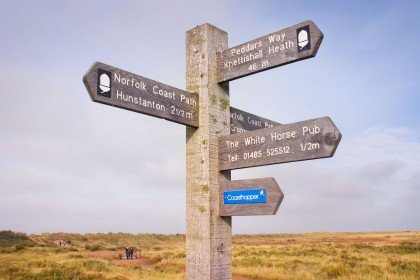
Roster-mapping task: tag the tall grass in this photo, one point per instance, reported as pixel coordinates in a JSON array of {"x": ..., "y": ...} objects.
[
  {"x": 387, "y": 255},
  {"x": 328, "y": 256},
  {"x": 47, "y": 263}
]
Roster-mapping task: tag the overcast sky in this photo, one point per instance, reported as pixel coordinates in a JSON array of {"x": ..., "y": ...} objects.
[{"x": 68, "y": 164}]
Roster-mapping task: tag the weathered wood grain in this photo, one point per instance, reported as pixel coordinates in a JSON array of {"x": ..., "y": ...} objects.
[
  {"x": 311, "y": 139},
  {"x": 273, "y": 50},
  {"x": 142, "y": 95},
  {"x": 208, "y": 236},
  {"x": 273, "y": 192}
]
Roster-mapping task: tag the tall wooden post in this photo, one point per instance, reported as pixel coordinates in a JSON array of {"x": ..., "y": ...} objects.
[{"x": 209, "y": 242}]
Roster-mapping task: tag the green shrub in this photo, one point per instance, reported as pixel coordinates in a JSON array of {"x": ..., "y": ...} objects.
[
  {"x": 19, "y": 247},
  {"x": 9, "y": 238},
  {"x": 94, "y": 247},
  {"x": 157, "y": 258},
  {"x": 7, "y": 250}
]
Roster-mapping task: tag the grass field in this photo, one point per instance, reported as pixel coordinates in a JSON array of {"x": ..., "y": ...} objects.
[{"x": 376, "y": 255}]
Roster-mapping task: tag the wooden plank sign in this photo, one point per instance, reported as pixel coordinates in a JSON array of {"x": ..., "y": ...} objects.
[
  {"x": 311, "y": 139},
  {"x": 298, "y": 42},
  {"x": 249, "y": 197},
  {"x": 122, "y": 89},
  {"x": 241, "y": 121}
]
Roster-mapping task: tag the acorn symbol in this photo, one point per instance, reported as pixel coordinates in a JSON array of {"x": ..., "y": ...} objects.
[
  {"x": 303, "y": 39},
  {"x": 104, "y": 83}
]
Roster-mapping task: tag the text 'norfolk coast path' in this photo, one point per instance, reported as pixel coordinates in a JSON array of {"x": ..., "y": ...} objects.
[{"x": 122, "y": 89}]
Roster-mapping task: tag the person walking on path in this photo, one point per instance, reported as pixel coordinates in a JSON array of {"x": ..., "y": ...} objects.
[
  {"x": 127, "y": 253},
  {"x": 131, "y": 252}
]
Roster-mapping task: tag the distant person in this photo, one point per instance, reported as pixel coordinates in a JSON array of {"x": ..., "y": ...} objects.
[
  {"x": 127, "y": 253},
  {"x": 131, "y": 252},
  {"x": 68, "y": 242},
  {"x": 64, "y": 242},
  {"x": 59, "y": 242}
]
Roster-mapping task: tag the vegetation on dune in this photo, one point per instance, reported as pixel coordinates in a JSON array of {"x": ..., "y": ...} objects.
[
  {"x": 19, "y": 240},
  {"x": 386, "y": 255}
]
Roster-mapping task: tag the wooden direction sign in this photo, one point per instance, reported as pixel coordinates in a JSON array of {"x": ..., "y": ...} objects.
[
  {"x": 298, "y": 42},
  {"x": 266, "y": 142},
  {"x": 241, "y": 121},
  {"x": 122, "y": 89},
  {"x": 311, "y": 139},
  {"x": 249, "y": 197}
]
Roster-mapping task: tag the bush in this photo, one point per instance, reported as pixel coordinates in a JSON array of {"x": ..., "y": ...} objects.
[
  {"x": 9, "y": 238},
  {"x": 94, "y": 247},
  {"x": 19, "y": 247},
  {"x": 157, "y": 259},
  {"x": 9, "y": 250}
]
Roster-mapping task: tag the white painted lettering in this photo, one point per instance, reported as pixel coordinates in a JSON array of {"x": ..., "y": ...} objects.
[
  {"x": 232, "y": 144},
  {"x": 311, "y": 130},
  {"x": 129, "y": 82},
  {"x": 254, "y": 140},
  {"x": 188, "y": 100},
  {"x": 281, "y": 136},
  {"x": 163, "y": 93}
]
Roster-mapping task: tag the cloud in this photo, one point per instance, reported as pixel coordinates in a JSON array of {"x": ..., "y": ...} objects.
[{"x": 63, "y": 153}]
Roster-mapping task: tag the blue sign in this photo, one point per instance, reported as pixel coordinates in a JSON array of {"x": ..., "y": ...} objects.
[{"x": 245, "y": 196}]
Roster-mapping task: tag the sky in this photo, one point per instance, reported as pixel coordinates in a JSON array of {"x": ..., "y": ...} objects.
[{"x": 68, "y": 164}]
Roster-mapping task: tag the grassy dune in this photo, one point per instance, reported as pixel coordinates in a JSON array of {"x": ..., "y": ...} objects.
[
  {"x": 381, "y": 255},
  {"x": 393, "y": 255}
]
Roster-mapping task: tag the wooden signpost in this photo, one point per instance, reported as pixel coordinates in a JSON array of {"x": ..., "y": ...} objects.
[
  {"x": 298, "y": 42},
  {"x": 250, "y": 197},
  {"x": 119, "y": 88},
  {"x": 208, "y": 236},
  {"x": 312, "y": 139},
  {"x": 220, "y": 138}
]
